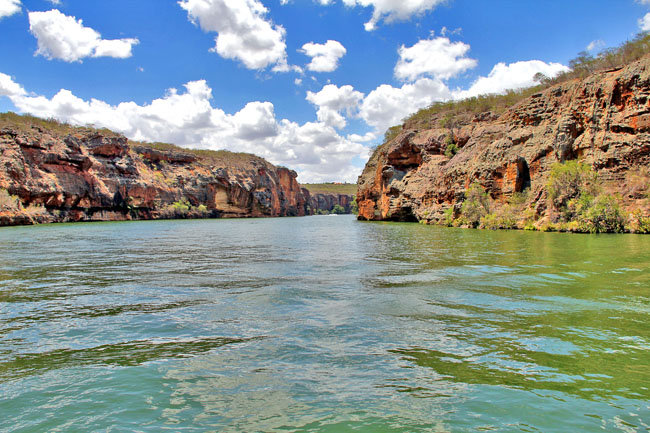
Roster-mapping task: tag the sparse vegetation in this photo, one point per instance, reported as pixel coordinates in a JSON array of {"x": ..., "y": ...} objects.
[
  {"x": 577, "y": 203},
  {"x": 215, "y": 156},
  {"x": 508, "y": 216},
  {"x": 448, "y": 219},
  {"x": 184, "y": 209},
  {"x": 26, "y": 122},
  {"x": 476, "y": 205},
  {"x": 583, "y": 65},
  {"x": 637, "y": 185},
  {"x": 331, "y": 188},
  {"x": 12, "y": 204},
  {"x": 392, "y": 132},
  {"x": 575, "y": 193},
  {"x": 572, "y": 186},
  {"x": 604, "y": 215},
  {"x": 473, "y": 105},
  {"x": 452, "y": 147},
  {"x": 639, "y": 223},
  {"x": 8, "y": 202}
]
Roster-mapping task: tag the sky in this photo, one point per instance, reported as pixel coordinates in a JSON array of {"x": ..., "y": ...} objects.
[{"x": 308, "y": 84}]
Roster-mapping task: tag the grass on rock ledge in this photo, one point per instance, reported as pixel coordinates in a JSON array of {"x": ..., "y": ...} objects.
[
  {"x": 26, "y": 123},
  {"x": 331, "y": 188},
  {"x": 582, "y": 66}
]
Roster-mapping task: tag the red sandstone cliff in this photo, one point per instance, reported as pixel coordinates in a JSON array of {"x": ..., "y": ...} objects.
[
  {"x": 603, "y": 121},
  {"x": 81, "y": 174}
]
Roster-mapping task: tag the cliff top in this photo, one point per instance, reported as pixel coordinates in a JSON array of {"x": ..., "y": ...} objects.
[
  {"x": 331, "y": 188},
  {"x": 440, "y": 114},
  {"x": 28, "y": 124}
]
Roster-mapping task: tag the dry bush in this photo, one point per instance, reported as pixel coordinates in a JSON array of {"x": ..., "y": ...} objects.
[
  {"x": 8, "y": 202},
  {"x": 637, "y": 183}
]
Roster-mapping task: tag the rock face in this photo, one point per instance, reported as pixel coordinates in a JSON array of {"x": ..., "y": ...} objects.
[
  {"x": 603, "y": 121},
  {"x": 90, "y": 175},
  {"x": 326, "y": 202}
]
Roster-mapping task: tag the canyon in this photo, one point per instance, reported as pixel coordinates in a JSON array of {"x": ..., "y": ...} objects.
[{"x": 52, "y": 172}]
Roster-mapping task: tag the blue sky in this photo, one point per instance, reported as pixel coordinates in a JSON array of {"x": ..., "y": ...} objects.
[{"x": 309, "y": 84}]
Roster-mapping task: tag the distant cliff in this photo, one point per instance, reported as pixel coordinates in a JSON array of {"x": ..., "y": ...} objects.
[
  {"x": 328, "y": 202},
  {"x": 427, "y": 171},
  {"x": 332, "y": 197},
  {"x": 51, "y": 172}
]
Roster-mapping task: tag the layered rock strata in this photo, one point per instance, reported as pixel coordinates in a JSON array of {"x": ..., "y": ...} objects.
[
  {"x": 327, "y": 201},
  {"x": 91, "y": 175},
  {"x": 603, "y": 121}
]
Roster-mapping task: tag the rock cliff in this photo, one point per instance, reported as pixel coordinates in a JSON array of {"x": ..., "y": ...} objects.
[
  {"x": 602, "y": 120},
  {"x": 58, "y": 173},
  {"x": 327, "y": 201}
]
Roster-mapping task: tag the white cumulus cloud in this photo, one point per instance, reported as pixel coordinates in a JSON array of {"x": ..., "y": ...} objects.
[
  {"x": 9, "y": 7},
  {"x": 386, "y": 106},
  {"x": 66, "y": 38},
  {"x": 438, "y": 58},
  {"x": 513, "y": 76},
  {"x": 9, "y": 87},
  {"x": 188, "y": 118},
  {"x": 244, "y": 33},
  {"x": 392, "y": 10},
  {"x": 595, "y": 45},
  {"x": 333, "y": 100},
  {"x": 644, "y": 23},
  {"x": 324, "y": 57}
]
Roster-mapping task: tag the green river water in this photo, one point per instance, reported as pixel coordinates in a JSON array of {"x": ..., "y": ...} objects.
[{"x": 321, "y": 324}]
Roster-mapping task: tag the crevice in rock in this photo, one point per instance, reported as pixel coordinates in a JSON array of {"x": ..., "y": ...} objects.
[{"x": 522, "y": 181}]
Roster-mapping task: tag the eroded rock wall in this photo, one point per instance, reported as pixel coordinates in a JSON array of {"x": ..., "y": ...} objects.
[
  {"x": 603, "y": 121},
  {"x": 327, "y": 202},
  {"x": 87, "y": 175}
]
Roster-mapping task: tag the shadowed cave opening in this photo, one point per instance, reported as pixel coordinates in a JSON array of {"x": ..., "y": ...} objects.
[{"x": 523, "y": 175}]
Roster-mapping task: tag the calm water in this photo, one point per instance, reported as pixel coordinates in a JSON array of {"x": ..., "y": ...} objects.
[{"x": 321, "y": 324}]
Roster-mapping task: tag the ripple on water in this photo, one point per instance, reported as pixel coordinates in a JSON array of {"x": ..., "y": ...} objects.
[{"x": 321, "y": 325}]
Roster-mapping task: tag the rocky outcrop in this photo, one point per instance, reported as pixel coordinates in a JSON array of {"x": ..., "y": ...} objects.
[
  {"x": 89, "y": 175},
  {"x": 327, "y": 201},
  {"x": 603, "y": 121}
]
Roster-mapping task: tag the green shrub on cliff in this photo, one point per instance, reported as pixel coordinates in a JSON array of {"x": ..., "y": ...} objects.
[
  {"x": 448, "y": 217},
  {"x": 509, "y": 215},
  {"x": 575, "y": 192},
  {"x": 452, "y": 147},
  {"x": 182, "y": 206},
  {"x": 184, "y": 209},
  {"x": 604, "y": 215},
  {"x": 476, "y": 205},
  {"x": 638, "y": 223},
  {"x": 571, "y": 187},
  {"x": 502, "y": 219}
]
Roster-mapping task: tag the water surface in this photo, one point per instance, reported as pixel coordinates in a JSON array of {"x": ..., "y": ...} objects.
[{"x": 321, "y": 324}]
